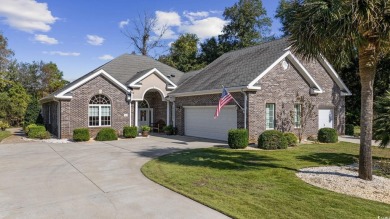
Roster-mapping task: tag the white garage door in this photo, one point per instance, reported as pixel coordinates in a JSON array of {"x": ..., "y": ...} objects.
[
  {"x": 325, "y": 118},
  {"x": 200, "y": 122}
]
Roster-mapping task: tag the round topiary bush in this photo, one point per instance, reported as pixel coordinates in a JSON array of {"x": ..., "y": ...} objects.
[
  {"x": 349, "y": 129},
  {"x": 271, "y": 140},
  {"x": 292, "y": 139},
  {"x": 81, "y": 134},
  {"x": 130, "y": 131},
  {"x": 106, "y": 134},
  {"x": 327, "y": 135},
  {"x": 238, "y": 138}
]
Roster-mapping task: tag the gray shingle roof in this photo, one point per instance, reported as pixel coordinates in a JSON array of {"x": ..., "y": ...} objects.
[
  {"x": 127, "y": 68},
  {"x": 236, "y": 68}
]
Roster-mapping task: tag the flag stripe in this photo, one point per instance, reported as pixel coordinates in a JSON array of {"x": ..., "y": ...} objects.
[{"x": 226, "y": 97}]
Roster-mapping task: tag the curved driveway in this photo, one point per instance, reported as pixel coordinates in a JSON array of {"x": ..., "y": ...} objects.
[{"x": 92, "y": 180}]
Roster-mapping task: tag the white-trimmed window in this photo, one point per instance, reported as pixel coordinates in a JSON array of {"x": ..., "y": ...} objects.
[
  {"x": 99, "y": 111},
  {"x": 270, "y": 116},
  {"x": 297, "y": 115}
]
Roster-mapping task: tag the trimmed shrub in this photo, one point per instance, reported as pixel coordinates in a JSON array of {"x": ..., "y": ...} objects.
[
  {"x": 106, "y": 134},
  {"x": 38, "y": 132},
  {"x": 327, "y": 135},
  {"x": 27, "y": 128},
  {"x": 130, "y": 131},
  {"x": 238, "y": 138},
  {"x": 4, "y": 125},
  {"x": 145, "y": 128},
  {"x": 81, "y": 134},
  {"x": 271, "y": 140},
  {"x": 292, "y": 139},
  {"x": 349, "y": 129}
]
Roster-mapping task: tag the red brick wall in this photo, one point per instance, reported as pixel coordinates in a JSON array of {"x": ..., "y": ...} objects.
[{"x": 74, "y": 113}]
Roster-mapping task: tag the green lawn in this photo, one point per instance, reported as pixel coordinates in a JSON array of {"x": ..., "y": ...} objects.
[
  {"x": 262, "y": 184},
  {"x": 4, "y": 134}
]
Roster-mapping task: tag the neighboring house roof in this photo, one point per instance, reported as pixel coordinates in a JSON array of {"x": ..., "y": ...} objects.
[
  {"x": 189, "y": 75},
  {"x": 123, "y": 70}
]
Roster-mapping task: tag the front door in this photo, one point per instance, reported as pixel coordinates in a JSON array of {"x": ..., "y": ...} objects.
[
  {"x": 144, "y": 116},
  {"x": 325, "y": 118}
]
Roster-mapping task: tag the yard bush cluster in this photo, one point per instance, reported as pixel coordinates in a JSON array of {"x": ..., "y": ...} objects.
[
  {"x": 272, "y": 139},
  {"x": 327, "y": 135},
  {"x": 349, "y": 129},
  {"x": 4, "y": 125},
  {"x": 238, "y": 138},
  {"x": 130, "y": 131},
  {"x": 106, "y": 134},
  {"x": 292, "y": 139},
  {"x": 37, "y": 131},
  {"x": 81, "y": 134}
]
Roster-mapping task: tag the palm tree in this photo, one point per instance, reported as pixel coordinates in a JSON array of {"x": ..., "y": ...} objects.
[
  {"x": 382, "y": 120},
  {"x": 341, "y": 30}
]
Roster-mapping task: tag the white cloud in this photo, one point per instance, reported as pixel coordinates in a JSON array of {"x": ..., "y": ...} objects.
[
  {"x": 26, "y": 15},
  {"x": 95, "y": 40},
  {"x": 167, "y": 20},
  {"x": 62, "y": 53},
  {"x": 195, "y": 15},
  {"x": 44, "y": 39},
  {"x": 106, "y": 57},
  {"x": 204, "y": 28},
  {"x": 123, "y": 23}
]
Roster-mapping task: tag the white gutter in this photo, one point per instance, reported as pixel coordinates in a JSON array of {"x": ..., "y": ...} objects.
[
  {"x": 215, "y": 91},
  {"x": 245, "y": 108}
]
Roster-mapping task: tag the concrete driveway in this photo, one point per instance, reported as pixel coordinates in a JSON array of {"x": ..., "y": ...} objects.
[{"x": 92, "y": 180}]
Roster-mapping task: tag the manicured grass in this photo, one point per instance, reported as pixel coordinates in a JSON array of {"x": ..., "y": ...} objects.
[
  {"x": 263, "y": 184},
  {"x": 4, "y": 134}
]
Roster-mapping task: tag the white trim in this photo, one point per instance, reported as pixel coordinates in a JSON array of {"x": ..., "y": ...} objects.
[
  {"x": 252, "y": 84},
  {"x": 130, "y": 113},
  {"x": 154, "y": 70},
  {"x": 214, "y": 106},
  {"x": 214, "y": 91},
  {"x": 151, "y": 88},
  {"x": 333, "y": 74},
  {"x": 297, "y": 64},
  {"x": 92, "y": 76},
  {"x": 136, "y": 113},
  {"x": 168, "y": 120}
]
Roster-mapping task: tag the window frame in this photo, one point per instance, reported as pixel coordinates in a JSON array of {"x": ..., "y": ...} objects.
[
  {"x": 297, "y": 118},
  {"x": 99, "y": 108},
  {"x": 267, "y": 119}
]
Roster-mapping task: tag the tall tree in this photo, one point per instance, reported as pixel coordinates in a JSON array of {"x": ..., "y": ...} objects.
[
  {"x": 183, "y": 53},
  {"x": 5, "y": 53},
  {"x": 248, "y": 24},
  {"x": 142, "y": 35},
  {"x": 382, "y": 120},
  {"x": 341, "y": 30},
  {"x": 51, "y": 79},
  {"x": 210, "y": 50}
]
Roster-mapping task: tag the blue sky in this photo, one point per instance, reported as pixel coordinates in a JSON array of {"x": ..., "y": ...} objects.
[{"x": 81, "y": 35}]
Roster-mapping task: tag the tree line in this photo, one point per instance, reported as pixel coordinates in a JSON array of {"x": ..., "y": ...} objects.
[{"x": 22, "y": 84}]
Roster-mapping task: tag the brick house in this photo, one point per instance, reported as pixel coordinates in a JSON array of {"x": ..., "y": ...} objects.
[{"x": 137, "y": 90}]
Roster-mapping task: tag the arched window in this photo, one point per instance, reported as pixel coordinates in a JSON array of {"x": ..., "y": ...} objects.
[{"x": 99, "y": 111}]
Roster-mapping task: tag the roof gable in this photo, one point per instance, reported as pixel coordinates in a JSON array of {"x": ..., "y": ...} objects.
[{"x": 134, "y": 82}]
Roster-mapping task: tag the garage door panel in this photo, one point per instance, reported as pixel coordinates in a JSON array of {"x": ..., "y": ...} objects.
[{"x": 200, "y": 122}]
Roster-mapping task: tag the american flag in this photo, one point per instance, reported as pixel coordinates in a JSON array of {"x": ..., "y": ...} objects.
[{"x": 226, "y": 97}]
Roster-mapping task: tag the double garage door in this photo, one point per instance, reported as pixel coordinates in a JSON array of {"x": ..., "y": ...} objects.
[{"x": 200, "y": 122}]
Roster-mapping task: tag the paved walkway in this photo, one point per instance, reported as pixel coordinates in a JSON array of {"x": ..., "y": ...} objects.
[
  {"x": 92, "y": 180},
  {"x": 355, "y": 140},
  {"x": 16, "y": 137}
]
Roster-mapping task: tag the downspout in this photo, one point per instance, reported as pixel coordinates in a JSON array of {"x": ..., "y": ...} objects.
[{"x": 245, "y": 107}]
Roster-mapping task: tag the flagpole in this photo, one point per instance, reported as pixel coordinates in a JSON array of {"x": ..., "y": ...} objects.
[{"x": 236, "y": 101}]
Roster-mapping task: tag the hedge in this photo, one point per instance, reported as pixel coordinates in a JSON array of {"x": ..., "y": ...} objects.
[
  {"x": 349, "y": 129},
  {"x": 27, "y": 128},
  {"x": 238, "y": 138},
  {"x": 327, "y": 135},
  {"x": 271, "y": 140},
  {"x": 130, "y": 131},
  {"x": 292, "y": 139},
  {"x": 81, "y": 134},
  {"x": 106, "y": 134},
  {"x": 38, "y": 132}
]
